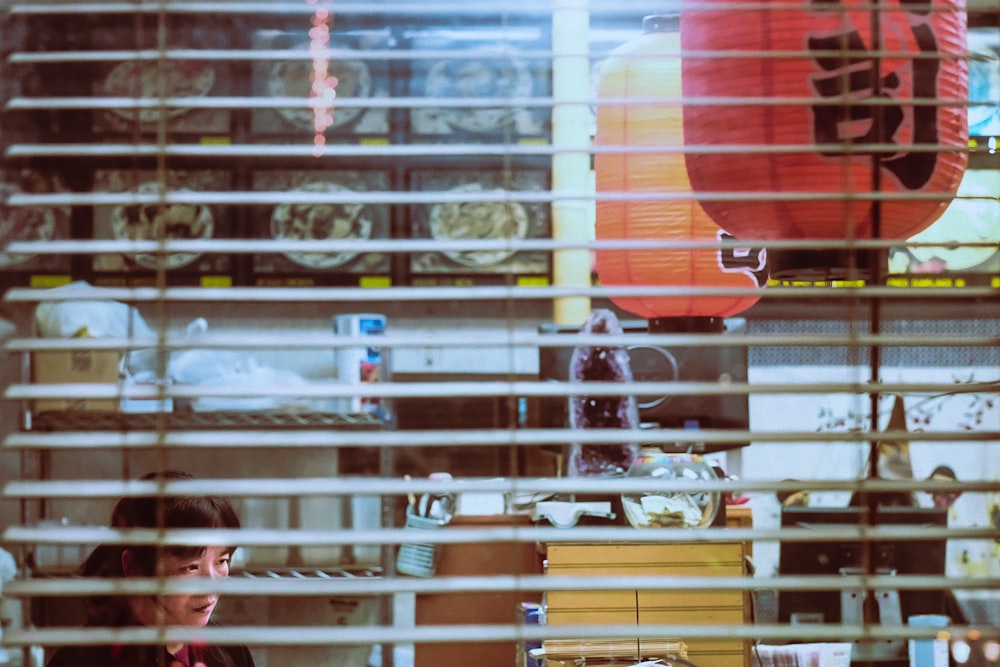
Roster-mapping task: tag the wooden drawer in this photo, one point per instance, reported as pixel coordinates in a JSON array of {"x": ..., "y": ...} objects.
[
  {"x": 723, "y": 559},
  {"x": 692, "y": 616},
  {"x": 574, "y": 600},
  {"x": 655, "y": 607},
  {"x": 590, "y": 616},
  {"x": 690, "y": 600}
]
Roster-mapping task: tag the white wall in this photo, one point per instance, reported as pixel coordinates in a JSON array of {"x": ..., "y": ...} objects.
[{"x": 837, "y": 461}]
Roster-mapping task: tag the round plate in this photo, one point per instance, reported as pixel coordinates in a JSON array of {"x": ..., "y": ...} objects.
[
  {"x": 497, "y": 78},
  {"x": 965, "y": 221},
  {"x": 152, "y": 222},
  {"x": 141, "y": 80},
  {"x": 292, "y": 78},
  {"x": 478, "y": 220},
  {"x": 18, "y": 223},
  {"x": 319, "y": 222}
]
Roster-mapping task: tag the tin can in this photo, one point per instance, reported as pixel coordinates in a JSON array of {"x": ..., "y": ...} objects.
[{"x": 360, "y": 364}]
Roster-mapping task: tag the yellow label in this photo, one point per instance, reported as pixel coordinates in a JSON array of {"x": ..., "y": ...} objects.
[
  {"x": 216, "y": 281},
  {"x": 937, "y": 282},
  {"x": 374, "y": 141},
  {"x": 285, "y": 282},
  {"x": 775, "y": 282},
  {"x": 111, "y": 282},
  {"x": 216, "y": 141},
  {"x": 532, "y": 281},
  {"x": 533, "y": 141},
  {"x": 50, "y": 281},
  {"x": 375, "y": 281}
]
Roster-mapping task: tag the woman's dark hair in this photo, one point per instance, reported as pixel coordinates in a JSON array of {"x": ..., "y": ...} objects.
[{"x": 153, "y": 512}]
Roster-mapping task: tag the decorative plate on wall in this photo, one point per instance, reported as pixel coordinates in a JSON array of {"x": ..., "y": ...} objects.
[
  {"x": 177, "y": 76},
  {"x": 346, "y": 220},
  {"x": 359, "y": 76},
  {"x": 142, "y": 80},
  {"x": 153, "y": 222},
  {"x": 473, "y": 79},
  {"x": 488, "y": 207},
  {"x": 478, "y": 220},
  {"x": 968, "y": 232},
  {"x": 473, "y": 65},
  {"x": 157, "y": 220},
  {"x": 36, "y": 223},
  {"x": 322, "y": 222},
  {"x": 292, "y": 78}
]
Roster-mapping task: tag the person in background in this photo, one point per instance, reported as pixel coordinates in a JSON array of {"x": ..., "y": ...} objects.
[
  {"x": 944, "y": 499},
  {"x": 150, "y": 561},
  {"x": 793, "y": 498}
]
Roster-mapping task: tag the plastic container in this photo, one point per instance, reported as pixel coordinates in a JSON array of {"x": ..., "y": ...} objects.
[
  {"x": 928, "y": 652},
  {"x": 419, "y": 559}
]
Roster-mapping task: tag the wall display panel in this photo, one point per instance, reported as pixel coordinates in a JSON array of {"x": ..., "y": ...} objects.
[
  {"x": 969, "y": 235},
  {"x": 984, "y": 82},
  {"x": 152, "y": 79},
  {"x": 156, "y": 221},
  {"x": 320, "y": 221},
  {"x": 476, "y": 65},
  {"x": 479, "y": 219},
  {"x": 36, "y": 223},
  {"x": 358, "y": 75}
]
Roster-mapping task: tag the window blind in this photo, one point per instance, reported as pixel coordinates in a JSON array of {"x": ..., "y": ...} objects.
[{"x": 232, "y": 205}]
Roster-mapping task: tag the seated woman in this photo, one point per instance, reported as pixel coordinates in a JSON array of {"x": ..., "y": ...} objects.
[{"x": 150, "y": 561}]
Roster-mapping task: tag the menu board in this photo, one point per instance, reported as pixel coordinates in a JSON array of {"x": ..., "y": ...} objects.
[
  {"x": 356, "y": 74},
  {"x": 483, "y": 205},
  {"x": 339, "y": 218},
  {"x": 156, "y": 220}
]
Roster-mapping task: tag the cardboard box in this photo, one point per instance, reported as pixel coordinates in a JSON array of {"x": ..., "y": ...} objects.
[{"x": 73, "y": 367}]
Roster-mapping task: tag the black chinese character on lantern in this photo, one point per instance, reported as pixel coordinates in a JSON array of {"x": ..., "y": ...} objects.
[
  {"x": 856, "y": 78},
  {"x": 749, "y": 260}
]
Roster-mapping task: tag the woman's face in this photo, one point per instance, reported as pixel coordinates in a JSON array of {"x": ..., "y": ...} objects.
[{"x": 194, "y": 609}]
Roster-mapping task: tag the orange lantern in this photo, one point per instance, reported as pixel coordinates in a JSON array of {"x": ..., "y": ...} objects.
[
  {"x": 861, "y": 98},
  {"x": 649, "y": 67}
]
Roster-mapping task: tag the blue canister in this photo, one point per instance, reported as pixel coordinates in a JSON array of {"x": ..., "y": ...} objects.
[{"x": 929, "y": 652}]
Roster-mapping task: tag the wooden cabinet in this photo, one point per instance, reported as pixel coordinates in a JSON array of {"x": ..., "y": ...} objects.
[
  {"x": 656, "y": 607},
  {"x": 484, "y": 608}
]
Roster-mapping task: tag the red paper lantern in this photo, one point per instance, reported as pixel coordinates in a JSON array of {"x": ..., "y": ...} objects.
[
  {"x": 649, "y": 67},
  {"x": 826, "y": 55}
]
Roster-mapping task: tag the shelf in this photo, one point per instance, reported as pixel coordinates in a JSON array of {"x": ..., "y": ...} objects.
[
  {"x": 114, "y": 421},
  {"x": 311, "y": 573}
]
